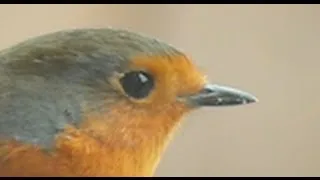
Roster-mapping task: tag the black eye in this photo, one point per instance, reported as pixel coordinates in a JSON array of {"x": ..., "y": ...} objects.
[{"x": 137, "y": 84}]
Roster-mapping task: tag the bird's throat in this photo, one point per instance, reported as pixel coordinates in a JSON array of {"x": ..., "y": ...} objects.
[{"x": 122, "y": 147}]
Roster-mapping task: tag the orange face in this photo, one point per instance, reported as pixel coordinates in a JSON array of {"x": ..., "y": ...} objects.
[{"x": 158, "y": 110}]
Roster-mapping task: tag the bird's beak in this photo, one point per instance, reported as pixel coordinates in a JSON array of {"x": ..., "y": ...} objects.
[{"x": 216, "y": 95}]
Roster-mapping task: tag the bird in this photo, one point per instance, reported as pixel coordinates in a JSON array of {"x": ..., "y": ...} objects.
[{"x": 97, "y": 102}]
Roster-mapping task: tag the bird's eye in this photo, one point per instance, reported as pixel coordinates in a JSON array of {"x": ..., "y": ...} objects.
[{"x": 137, "y": 84}]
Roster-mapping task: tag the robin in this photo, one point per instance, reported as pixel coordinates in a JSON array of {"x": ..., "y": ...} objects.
[{"x": 96, "y": 102}]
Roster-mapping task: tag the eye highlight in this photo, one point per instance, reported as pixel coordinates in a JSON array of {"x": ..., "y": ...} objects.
[{"x": 137, "y": 84}]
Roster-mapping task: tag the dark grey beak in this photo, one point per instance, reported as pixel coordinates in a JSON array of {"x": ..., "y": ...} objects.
[{"x": 216, "y": 95}]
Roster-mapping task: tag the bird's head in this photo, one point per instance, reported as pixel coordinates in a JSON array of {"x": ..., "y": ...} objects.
[{"x": 117, "y": 74}]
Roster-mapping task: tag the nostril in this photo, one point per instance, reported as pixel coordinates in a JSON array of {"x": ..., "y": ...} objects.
[{"x": 206, "y": 90}]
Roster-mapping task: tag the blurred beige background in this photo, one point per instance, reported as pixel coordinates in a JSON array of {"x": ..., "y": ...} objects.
[{"x": 271, "y": 51}]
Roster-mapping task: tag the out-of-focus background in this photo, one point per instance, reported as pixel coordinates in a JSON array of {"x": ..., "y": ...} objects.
[{"x": 272, "y": 51}]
